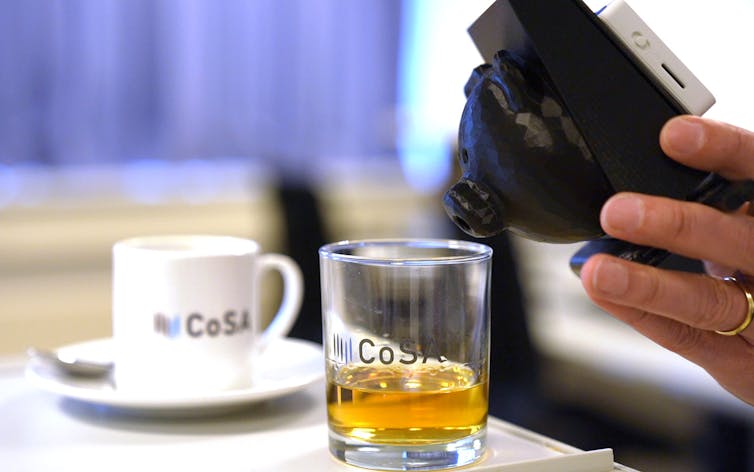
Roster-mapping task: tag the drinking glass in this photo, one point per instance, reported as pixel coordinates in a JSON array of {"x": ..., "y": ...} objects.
[{"x": 406, "y": 340}]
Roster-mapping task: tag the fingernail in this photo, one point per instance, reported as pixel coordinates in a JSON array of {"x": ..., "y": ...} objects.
[
  {"x": 683, "y": 136},
  {"x": 623, "y": 213},
  {"x": 610, "y": 278}
]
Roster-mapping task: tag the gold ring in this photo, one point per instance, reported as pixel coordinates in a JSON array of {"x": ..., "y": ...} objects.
[{"x": 749, "y": 312}]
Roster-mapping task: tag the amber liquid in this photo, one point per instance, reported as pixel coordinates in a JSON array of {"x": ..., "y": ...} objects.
[{"x": 426, "y": 404}]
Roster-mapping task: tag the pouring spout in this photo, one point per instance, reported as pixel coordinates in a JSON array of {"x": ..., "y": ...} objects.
[{"x": 474, "y": 208}]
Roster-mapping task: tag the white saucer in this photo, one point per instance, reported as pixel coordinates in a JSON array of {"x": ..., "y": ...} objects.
[{"x": 285, "y": 367}]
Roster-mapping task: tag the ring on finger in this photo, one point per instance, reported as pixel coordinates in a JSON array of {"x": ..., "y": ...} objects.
[{"x": 749, "y": 310}]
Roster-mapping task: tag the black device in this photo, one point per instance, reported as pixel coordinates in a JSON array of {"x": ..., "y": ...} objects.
[{"x": 564, "y": 116}]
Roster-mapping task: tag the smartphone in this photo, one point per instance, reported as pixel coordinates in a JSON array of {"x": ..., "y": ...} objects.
[
  {"x": 621, "y": 84},
  {"x": 655, "y": 57}
]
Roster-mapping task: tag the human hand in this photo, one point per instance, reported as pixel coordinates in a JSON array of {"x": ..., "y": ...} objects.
[{"x": 682, "y": 311}]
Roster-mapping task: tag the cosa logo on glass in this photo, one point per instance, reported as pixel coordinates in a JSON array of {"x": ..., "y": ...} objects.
[
  {"x": 367, "y": 351},
  {"x": 197, "y": 325}
]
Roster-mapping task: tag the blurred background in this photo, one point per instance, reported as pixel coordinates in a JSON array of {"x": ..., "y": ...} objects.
[{"x": 298, "y": 122}]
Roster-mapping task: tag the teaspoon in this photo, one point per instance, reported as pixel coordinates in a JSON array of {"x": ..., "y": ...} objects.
[{"x": 69, "y": 364}]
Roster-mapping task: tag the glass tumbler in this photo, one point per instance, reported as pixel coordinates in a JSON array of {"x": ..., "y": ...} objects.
[{"x": 406, "y": 340}]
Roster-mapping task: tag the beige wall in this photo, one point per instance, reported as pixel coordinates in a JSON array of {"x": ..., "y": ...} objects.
[
  {"x": 55, "y": 274},
  {"x": 55, "y": 253}
]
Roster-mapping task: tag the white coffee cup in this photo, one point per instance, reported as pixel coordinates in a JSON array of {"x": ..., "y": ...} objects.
[{"x": 186, "y": 312}]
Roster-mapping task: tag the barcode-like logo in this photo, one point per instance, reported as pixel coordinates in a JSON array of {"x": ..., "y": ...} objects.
[{"x": 342, "y": 348}]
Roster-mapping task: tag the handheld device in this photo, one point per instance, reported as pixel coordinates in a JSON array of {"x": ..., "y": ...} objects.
[
  {"x": 566, "y": 112},
  {"x": 656, "y": 58},
  {"x": 645, "y": 48}
]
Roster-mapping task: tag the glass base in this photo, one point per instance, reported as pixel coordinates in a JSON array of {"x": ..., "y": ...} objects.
[{"x": 404, "y": 457}]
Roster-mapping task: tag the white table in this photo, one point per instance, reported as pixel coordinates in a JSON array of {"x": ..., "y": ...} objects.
[{"x": 40, "y": 431}]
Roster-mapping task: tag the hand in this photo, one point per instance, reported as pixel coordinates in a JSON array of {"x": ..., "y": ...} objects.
[{"x": 681, "y": 311}]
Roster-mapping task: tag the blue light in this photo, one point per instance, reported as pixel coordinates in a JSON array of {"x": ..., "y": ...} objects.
[
  {"x": 423, "y": 147},
  {"x": 147, "y": 180},
  {"x": 10, "y": 185}
]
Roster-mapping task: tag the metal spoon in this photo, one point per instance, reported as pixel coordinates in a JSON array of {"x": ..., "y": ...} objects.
[{"x": 70, "y": 365}]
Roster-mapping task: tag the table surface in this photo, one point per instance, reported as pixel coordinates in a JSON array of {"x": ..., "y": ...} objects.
[{"x": 41, "y": 431}]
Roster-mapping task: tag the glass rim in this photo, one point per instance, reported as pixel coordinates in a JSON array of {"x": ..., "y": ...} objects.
[{"x": 474, "y": 252}]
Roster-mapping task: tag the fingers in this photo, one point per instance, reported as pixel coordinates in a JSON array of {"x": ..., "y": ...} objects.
[
  {"x": 679, "y": 311},
  {"x": 689, "y": 229},
  {"x": 727, "y": 359},
  {"x": 693, "y": 344},
  {"x": 721, "y": 270},
  {"x": 710, "y": 145},
  {"x": 695, "y": 300}
]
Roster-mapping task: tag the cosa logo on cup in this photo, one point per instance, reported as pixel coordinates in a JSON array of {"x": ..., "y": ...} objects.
[
  {"x": 367, "y": 351},
  {"x": 197, "y": 325}
]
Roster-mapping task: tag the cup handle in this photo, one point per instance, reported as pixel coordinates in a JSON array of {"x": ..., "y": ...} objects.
[{"x": 293, "y": 293}]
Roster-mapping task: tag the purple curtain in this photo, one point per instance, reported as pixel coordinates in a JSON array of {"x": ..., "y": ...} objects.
[{"x": 112, "y": 81}]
